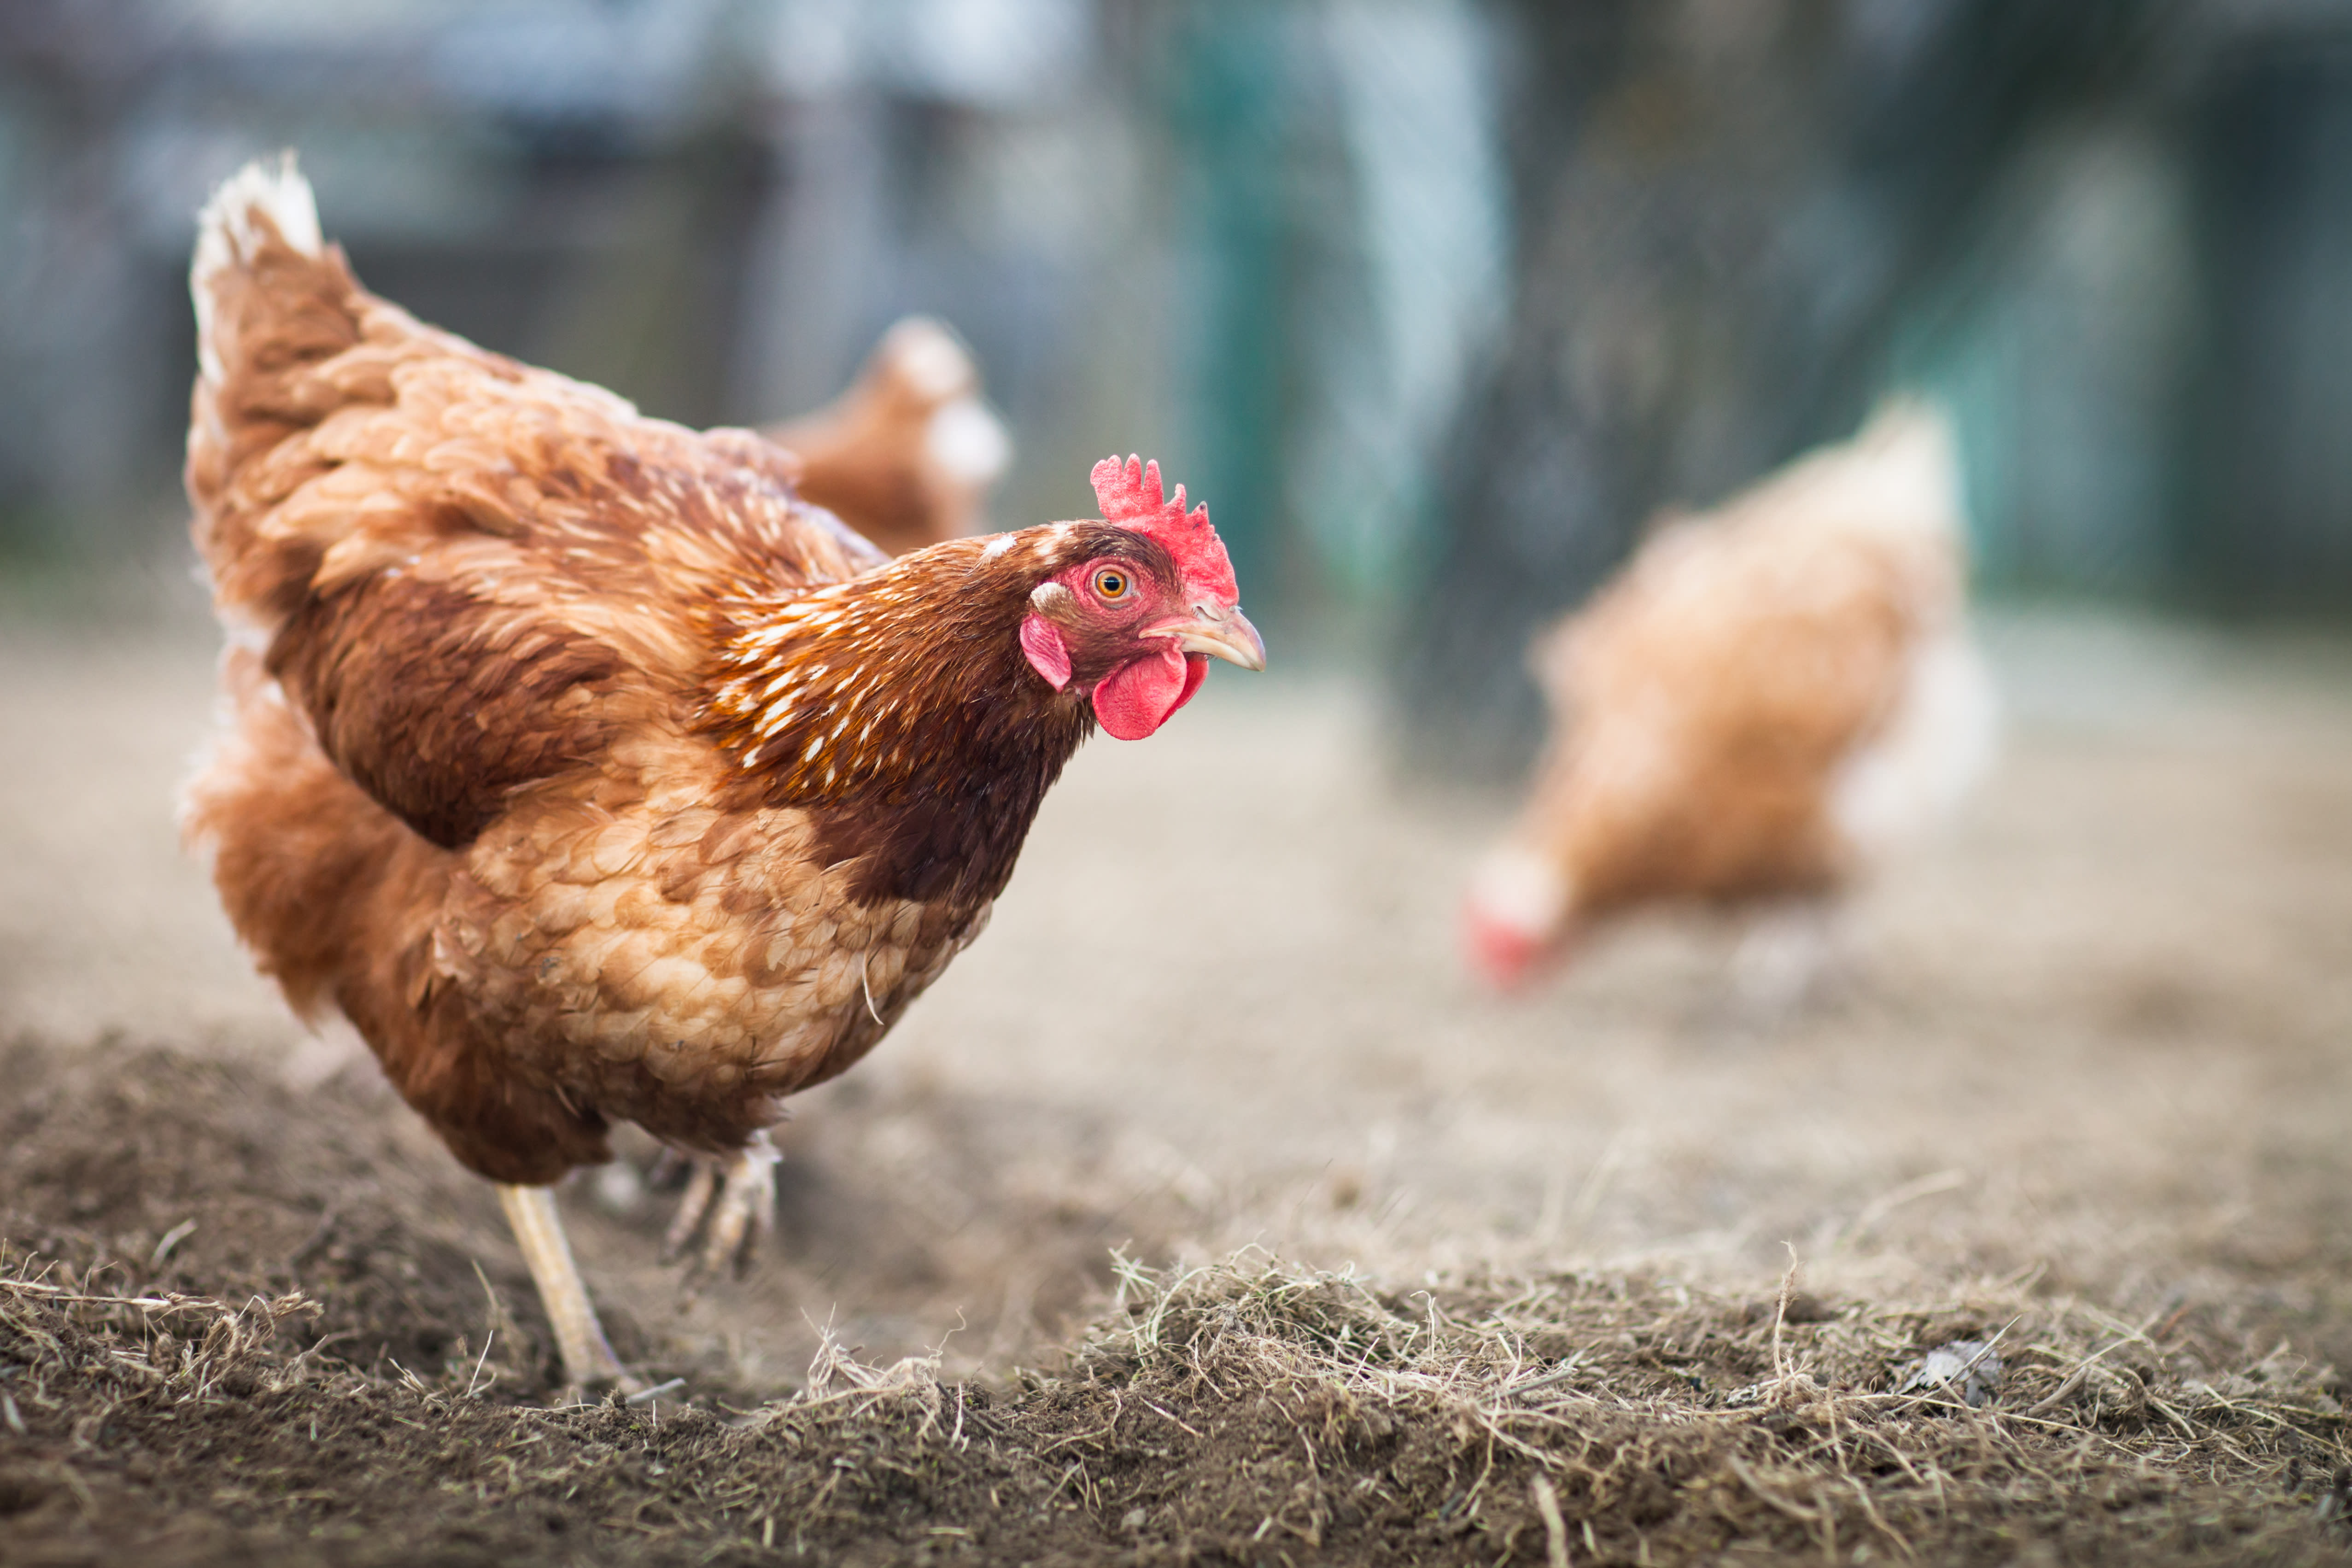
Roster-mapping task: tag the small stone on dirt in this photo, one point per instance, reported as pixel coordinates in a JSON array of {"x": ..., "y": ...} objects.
[{"x": 1970, "y": 1362}]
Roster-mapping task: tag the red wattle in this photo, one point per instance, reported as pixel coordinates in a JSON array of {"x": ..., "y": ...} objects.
[
  {"x": 1136, "y": 698},
  {"x": 1196, "y": 670}
]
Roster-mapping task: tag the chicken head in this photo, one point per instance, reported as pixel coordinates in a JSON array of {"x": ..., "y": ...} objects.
[{"x": 1133, "y": 629}]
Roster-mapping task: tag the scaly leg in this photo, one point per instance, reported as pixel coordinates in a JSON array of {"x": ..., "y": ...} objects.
[
  {"x": 733, "y": 1203},
  {"x": 588, "y": 1359}
]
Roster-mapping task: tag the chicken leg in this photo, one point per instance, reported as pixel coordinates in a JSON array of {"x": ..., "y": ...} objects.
[
  {"x": 588, "y": 1357},
  {"x": 732, "y": 1202},
  {"x": 1790, "y": 957}
]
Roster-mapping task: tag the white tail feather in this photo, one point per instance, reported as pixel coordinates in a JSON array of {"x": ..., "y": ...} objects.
[
  {"x": 227, "y": 238},
  {"x": 1904, "y": 466},
  {"x": 930, "y": 358},
  {"x": 967, "y": 440}
]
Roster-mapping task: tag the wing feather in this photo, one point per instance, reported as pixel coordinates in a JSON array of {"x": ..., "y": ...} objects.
[{"x": 468, "y": 574}]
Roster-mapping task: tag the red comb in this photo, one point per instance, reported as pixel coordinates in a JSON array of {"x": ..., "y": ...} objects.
[
  {"x": 1131, "y": 497},
  {"x": 1129, "y": 492}
]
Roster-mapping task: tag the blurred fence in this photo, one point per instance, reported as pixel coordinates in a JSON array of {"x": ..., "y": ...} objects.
[{"x": 1435, "y": 301}]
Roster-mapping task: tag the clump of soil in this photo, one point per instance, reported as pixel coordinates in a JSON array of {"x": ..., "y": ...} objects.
[{"x": 304, "y": 1375}]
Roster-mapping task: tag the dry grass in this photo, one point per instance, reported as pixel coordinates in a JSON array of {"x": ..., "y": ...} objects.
[
  {"x": 1649, "y": 1409},
  {"x": 1246, "y": 1410}
]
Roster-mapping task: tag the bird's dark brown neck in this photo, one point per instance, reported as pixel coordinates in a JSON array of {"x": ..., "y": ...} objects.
[{"x": 899, "y": 710}]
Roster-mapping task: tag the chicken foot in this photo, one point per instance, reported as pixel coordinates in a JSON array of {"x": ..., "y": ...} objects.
[
  {"x": 730, "y": 1200},
  {"x": 588, "y": 1358}
]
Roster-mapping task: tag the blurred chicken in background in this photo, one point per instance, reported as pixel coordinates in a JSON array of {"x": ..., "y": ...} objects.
[
  {"x": 906, "y": 455},
  {"x": 1766, "y": 700}
]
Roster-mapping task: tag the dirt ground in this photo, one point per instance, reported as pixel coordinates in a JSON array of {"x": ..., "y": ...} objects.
[{"x": 2082, "y": 1091}]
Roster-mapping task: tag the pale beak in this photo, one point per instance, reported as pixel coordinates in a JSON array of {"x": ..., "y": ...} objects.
[{"x": 1223, "y": 634}]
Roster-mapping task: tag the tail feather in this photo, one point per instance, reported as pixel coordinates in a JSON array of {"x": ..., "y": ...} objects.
[
  {"x": 1910, "y": 454},
  {"x": 908, "y": 454},
  {"x": 274, "y": 302},
  {"x": 925, "y": 366},
  {"x": 268, "y": 199}
]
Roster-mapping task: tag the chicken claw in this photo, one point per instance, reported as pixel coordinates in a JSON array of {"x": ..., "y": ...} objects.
[{"x": 730, "y": 1202}]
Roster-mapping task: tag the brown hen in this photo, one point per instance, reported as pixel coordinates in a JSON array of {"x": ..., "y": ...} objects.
[
  {"x": 591, "y": 772},
  {"x": 1763, "y": 702}
]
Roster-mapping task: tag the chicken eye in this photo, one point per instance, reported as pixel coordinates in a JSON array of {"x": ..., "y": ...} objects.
[{"x": 1111, "y": 583}]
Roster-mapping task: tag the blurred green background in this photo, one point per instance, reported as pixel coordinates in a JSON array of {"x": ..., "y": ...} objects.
[{"x": 1434, "y": 301}]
